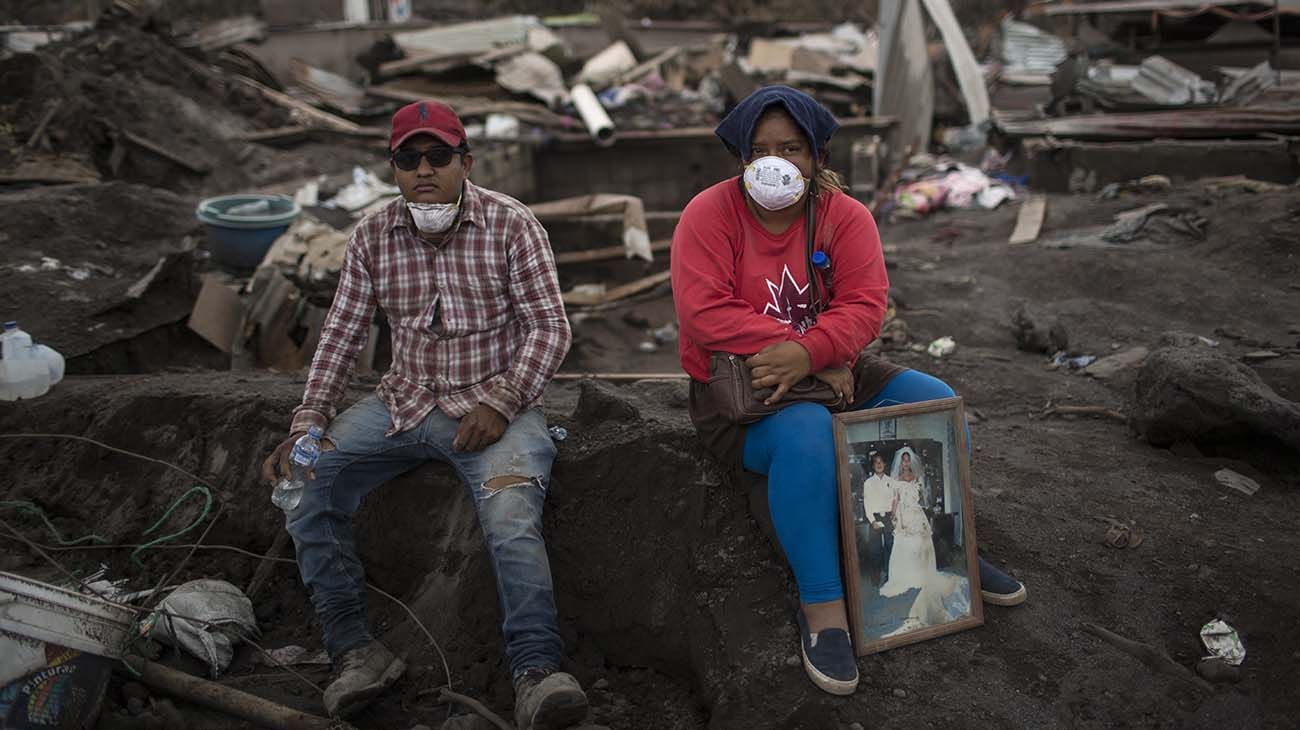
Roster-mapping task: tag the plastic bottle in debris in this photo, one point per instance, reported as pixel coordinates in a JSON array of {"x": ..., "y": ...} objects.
[
  {"x": 306, "y": 450},
  {"x": 27, "y": 370}
]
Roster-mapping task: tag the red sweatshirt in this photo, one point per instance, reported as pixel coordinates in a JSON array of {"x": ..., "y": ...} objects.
[{"x": 739, "y": 288}]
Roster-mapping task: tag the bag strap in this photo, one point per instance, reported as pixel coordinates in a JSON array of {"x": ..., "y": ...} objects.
[{"x": 816, "y": 297}]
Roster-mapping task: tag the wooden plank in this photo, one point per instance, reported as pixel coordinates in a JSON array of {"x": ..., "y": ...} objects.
[
  {"x": 619, "y": 292},
  {"x": 307, "y": 112},
  {"x": 606, "y": 253},
  {"x": 141, "y": 142},
  {"x": 1030, "y": 220}
]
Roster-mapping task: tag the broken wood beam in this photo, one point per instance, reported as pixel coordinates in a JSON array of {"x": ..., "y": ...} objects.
[
  {"x": 267, "y": 564},
  {"x": 1148, "y": 655},
  {"x": 1085, "y": 411},
  {"x": 617, "y": 293},
  {"x": 46, "y": 118},
  {"x": 307, "y": 112},
  {"x": 172, "y": 157},
  {"x": 606, "y": 253},
  {"x": 226, "y": 699}
]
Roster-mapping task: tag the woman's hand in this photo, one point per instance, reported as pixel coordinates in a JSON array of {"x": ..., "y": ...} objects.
[
  {"x": 841, "y": 381},
  {"x": 779, "y": 366}
]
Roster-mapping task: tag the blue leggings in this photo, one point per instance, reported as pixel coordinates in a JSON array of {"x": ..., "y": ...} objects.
[{"x": 795, "y": 449}]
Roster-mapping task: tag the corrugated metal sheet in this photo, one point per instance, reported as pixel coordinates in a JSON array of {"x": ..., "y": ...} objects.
[{"x": 1181, "y": 124}]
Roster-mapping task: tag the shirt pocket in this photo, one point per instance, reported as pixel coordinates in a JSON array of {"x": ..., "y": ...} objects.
[{"x": 476, "y": 302}]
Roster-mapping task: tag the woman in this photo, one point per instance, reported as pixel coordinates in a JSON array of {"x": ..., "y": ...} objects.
[
  {"x": 911, "y": 563},
  {"x": 741, "y": 285}
]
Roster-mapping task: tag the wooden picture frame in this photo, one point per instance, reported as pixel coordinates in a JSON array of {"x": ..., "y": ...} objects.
[{"x": 910, "y": 570}]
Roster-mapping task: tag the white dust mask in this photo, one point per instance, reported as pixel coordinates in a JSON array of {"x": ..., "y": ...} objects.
[
  {"x": 774, "y": 182},
  {"x": 434, "y": 217}
]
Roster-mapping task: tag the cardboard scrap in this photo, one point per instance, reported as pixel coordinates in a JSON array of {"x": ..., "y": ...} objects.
[{"x": 218, "y": 315}]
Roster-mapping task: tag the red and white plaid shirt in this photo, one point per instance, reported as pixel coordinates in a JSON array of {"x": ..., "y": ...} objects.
[{"x": 476, "y": 319}]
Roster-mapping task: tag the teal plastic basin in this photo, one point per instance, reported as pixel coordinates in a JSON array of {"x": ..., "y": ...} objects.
[{"x": 238, "y": 241}]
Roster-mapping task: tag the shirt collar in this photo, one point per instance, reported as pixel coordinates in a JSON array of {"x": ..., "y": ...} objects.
[{"x": 471, "y": 209}]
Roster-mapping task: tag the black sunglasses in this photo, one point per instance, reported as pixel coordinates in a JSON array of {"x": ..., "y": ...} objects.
[{"x": 407, "y": 158}]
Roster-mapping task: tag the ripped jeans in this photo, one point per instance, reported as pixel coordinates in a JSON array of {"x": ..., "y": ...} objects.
[{"x": 511, "y": 519}]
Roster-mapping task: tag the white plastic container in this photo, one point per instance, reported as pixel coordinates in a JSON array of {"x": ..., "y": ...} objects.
[{"x": 27, "y": 370}]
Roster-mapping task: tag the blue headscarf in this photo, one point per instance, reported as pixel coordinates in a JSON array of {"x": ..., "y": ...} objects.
[{"x": 737, "y": 130}]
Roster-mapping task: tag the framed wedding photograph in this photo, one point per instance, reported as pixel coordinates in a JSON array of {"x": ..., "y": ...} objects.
[{"x": 907, "y": 524}]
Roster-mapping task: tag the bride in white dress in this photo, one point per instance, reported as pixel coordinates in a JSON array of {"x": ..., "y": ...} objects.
[
  {"x": 943, "y": 596},
  {"x": 912, "y": 560}
]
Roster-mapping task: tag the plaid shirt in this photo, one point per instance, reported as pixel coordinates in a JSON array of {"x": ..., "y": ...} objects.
[{"x": 475, "y": 319}]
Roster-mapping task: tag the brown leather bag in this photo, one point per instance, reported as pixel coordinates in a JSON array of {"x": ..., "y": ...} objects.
[{"x": 732, "y": 390}]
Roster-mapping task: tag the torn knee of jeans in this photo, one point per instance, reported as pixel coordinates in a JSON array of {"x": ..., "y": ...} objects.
[{"x": 492, "y": 486}]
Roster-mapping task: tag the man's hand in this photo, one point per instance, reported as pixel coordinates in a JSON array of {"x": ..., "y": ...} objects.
[
  {"x": 277, "y": 466},
  {"x": 779, "y": 366},
  {"x": 479, "y": 429},
  {"x": 840, "y": 380}
]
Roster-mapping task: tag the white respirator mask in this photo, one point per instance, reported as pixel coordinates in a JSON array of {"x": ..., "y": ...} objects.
[
  {"x": 774, "y": 182},
  {"x": 434, "y": 217}
]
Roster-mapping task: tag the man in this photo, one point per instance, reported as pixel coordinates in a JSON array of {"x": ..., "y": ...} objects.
[
  {"x": 877, "y": 503},
  {"x": 467, "y": 280}
]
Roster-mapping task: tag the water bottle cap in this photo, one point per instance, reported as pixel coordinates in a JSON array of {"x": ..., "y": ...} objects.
[
  {"x": 315, "y": 431},
  {"x": 821, "y": 260},
  {"x": 11, "y": 325}
]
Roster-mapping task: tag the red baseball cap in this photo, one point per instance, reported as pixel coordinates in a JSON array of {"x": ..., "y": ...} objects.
[{"x": 426, "y": 117}]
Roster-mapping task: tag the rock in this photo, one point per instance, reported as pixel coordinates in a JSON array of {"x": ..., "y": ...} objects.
[
  {"x": 1199, "y": 395},
  {"x": 601, "y": 683},
  {"x": 600, "y": 403},
  {"x": 1216, "y": 669},
  {"x": 856, "y": 726},
  {"x": 900, "y": 692},
  {"x": 1260, "y": 356},
  {"x": 792, "y": 661},
  {"x": 1036, "y": 332},
  {"x": 1112, "y": 365}
]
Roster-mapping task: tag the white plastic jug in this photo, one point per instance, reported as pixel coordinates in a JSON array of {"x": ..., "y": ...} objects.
[{"x": 26, "y": 369}]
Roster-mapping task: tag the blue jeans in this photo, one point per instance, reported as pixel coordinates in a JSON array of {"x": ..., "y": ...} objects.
[
  {"x": 795, "y": 448},
  {"x": 511, "y": 519}
]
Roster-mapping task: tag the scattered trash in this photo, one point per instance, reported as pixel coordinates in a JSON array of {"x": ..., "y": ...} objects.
[
  {"x": 205, "y": 618},
  {"x": 1124, "y": 536},
  {"x": 558, "y": 433},
  {"x": 1239, "y": 482},
  {"x": 1071, "y": 362},
  {"x": 365, "y": 189},
  {"x": 647, "y": 346},
  {"x": 667, "y": 333},
  {"x": 1222, "y": 641},
  {"x": 942, "y": 347}
]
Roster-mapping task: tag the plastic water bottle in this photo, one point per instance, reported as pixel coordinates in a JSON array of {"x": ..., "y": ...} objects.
[
  {"x": 306, "y": 450},
  {"x": 25, "y": 370}
]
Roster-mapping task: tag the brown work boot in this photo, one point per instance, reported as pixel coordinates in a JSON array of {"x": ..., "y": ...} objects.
[
  {"x": 548, "y": 701},
  {"x": 364, "y": 673}
]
